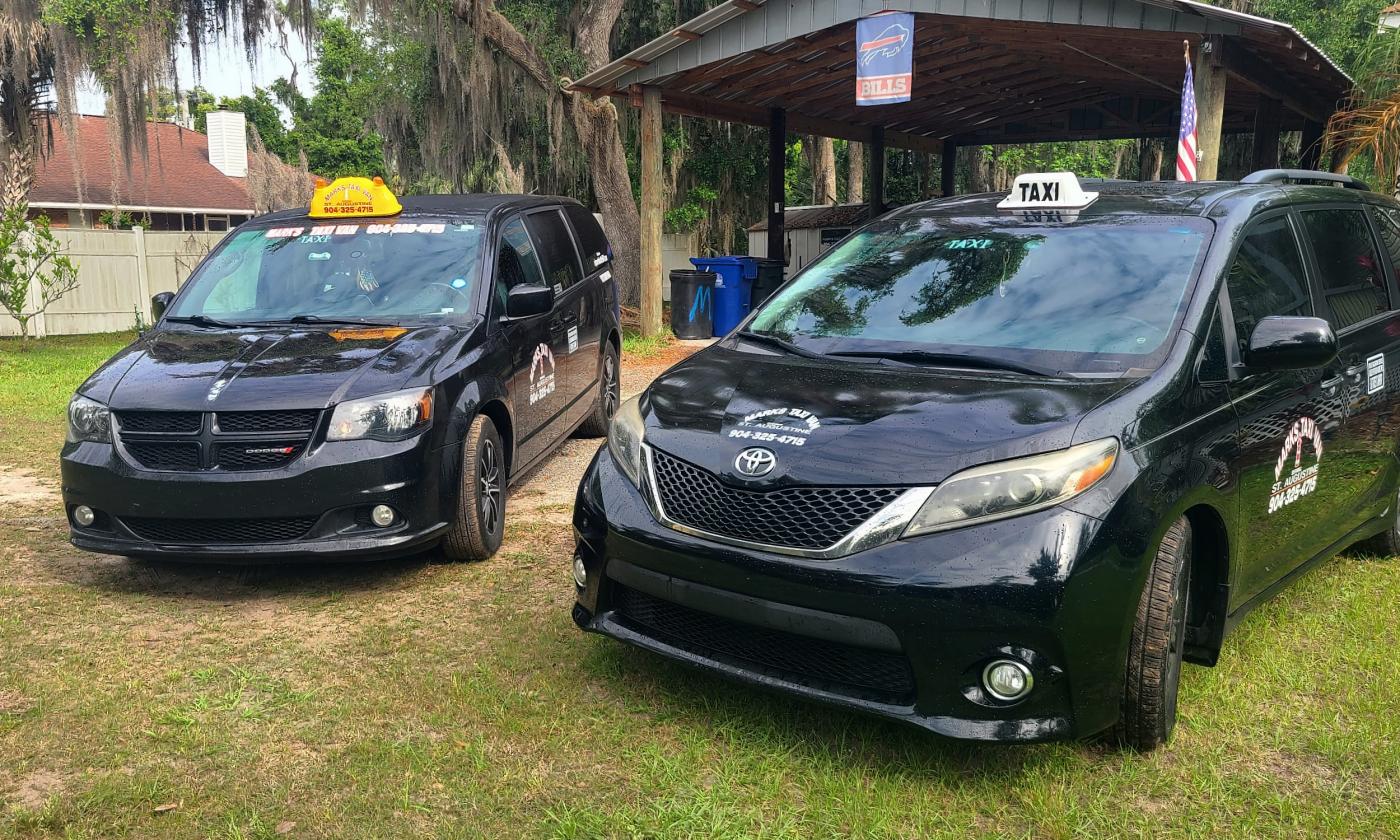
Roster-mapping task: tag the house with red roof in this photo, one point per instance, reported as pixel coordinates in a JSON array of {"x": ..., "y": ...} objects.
[{"x": 187, "y": 182}]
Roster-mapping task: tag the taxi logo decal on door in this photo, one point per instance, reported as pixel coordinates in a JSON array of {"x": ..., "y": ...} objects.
[
  {"x": 1300, "y": 481},
  {"x": 541, "y": 374}
]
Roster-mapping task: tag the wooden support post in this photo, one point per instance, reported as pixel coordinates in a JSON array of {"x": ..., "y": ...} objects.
[
  {"x": 777, "y": 184},
  {"x": 1310, "y": 152},
  {"x": 876, "y": 162},
  {"x": 1267, "y": 117},
  {"x": 949, "y": 163},
  {"x": 653, "y": 192},
  {"x": 1210, "y": 105}
]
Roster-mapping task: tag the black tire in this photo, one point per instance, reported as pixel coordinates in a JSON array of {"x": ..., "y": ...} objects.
[
  {"x": 609, "y": 395},
  {"x": 1155, "y": 649},
  {"x": 1387, "y": 542},
  {"x": 479, "y": 521}
]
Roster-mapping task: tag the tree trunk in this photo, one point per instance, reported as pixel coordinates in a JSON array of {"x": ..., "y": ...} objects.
[
  {"x": 1150, "y": 160},
  {"x": 855, "y": 176},
  {"x": 595, "y": 122},
  {"x": 824, "y": 171}
]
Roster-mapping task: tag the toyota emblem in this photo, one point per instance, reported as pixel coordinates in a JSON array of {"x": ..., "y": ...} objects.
[{"x": 755, "y": 462}]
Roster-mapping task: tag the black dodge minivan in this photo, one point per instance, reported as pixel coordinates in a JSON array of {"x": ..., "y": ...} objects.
[
  {"x": 997, "y": 465},
  {"x": 362, "y": 378}
]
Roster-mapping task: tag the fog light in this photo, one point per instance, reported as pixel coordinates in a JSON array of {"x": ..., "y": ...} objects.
[
  {"x": 382, "y": 516},
  {"x": 84, "y": 516},
  {"x": 1007, "y": 680},
  {"x": 580, "y": 572}
]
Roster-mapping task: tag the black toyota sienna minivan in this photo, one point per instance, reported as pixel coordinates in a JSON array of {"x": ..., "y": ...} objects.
[
  {"x": 358, "y": 379},
  {"x": 997, "y": 465}
]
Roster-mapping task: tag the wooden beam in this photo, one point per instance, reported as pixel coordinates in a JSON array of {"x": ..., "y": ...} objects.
[
  {"x": 634, "y": 63},
  {"x": 777, "y": 184},
  {"x": 686, "y": 34},
  {"x": 1210, "y": 105},
  {"x": 876, "y": 162},
  {"x": 948, "y": 162},
  {"x": 744, "y": 4},
  {"x": 1274, "y": 84},
  {"x": 1267, "y": 116},
  {"x": 653, "y": 201},
  {"x": 1310, "y": 153}
]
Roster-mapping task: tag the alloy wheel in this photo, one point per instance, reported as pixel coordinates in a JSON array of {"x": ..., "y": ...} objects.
[{"x": 489, "y": 478}]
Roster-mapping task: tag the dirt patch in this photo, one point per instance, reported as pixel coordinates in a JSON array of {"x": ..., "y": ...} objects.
[
  {"x": 13, "y": 703},
  {"x": 37, "y": 788},
  {"x": 23, "y": 487}
]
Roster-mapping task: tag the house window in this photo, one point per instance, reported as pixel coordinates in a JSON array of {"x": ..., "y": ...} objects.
[{"x": 216, "y": 223}]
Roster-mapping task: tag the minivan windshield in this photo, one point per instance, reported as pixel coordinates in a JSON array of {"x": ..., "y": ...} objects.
[
  {"x": 1096, "y": 296},
  {"x": 372, "y": 270}
]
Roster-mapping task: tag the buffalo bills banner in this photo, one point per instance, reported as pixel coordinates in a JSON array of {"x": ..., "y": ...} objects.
[{"x": 884, "y": 58}]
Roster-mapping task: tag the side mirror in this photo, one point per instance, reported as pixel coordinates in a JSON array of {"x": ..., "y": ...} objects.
[
  {"x": 527, "y": 300},
  {"x": 160, "y": 301},
  {"x": 1290, "y": 343}
]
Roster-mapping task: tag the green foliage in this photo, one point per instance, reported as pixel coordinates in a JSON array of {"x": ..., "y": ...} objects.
[
  {"x": 686, "y": 218},
  {"x": 122, "y": 220},
  {"x": 1087, "y": 159},
  {"x": 544, "y": 23},
  {"x": 31, "y": 258},
  {"x": 109, "y": 28},
  {"x": 1341, "y": 28}
]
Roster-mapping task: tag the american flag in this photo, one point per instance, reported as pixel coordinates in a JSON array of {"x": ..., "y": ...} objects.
[{"x": 1186, "y": 140}]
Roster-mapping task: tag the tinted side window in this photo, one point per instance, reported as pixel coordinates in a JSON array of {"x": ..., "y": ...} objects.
[
  {"x": 516, "y": 261},
  {"x": 592, "y": 243},
  {"x": 1266, "y": 277},
  {"x": 1389, "y": 224},
  {"x": 1349, "y": 271},
  {"x": 556, "y": 244},
  {"x": 1213, "y": 366}
]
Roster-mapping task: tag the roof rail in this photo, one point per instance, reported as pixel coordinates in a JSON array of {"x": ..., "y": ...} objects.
[{"x": 1303, "y": 176}]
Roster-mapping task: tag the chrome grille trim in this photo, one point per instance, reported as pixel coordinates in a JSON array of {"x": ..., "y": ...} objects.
[{"x": 884, "y": 527}]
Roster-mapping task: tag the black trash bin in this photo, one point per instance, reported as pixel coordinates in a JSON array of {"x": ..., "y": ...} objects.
[
  {"x": 770, "y": 277},
  {"x": 692, "y": 303}
]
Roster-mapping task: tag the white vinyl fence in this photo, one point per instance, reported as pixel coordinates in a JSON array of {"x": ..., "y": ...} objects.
[{"x": 118, "y": 271}]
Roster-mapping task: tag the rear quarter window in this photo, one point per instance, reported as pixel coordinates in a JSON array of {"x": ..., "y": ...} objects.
[
  {"x": 1349, "y": 269},
  {"x": 592, "y": 242}
]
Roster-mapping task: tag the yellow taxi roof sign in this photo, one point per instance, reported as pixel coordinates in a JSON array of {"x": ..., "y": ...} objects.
[{"x": 347, "y": 198}]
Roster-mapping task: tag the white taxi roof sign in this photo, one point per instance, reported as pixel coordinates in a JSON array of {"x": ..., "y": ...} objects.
[{"x": 1046, "y": 191}]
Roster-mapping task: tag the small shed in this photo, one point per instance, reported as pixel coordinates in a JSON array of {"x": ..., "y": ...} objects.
[{"x": 809, "y": 231}]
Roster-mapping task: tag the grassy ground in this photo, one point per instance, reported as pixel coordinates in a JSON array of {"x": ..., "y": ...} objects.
[{"x": 425, "y": 698}]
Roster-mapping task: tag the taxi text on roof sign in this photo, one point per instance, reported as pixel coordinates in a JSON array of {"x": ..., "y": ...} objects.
[
  {"x": 346, "y": 198},
  {"x": 1046, "y": 191}
]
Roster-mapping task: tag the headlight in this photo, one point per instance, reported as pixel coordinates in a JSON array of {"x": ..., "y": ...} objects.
[
  {"x": 1011, "y": 488},
  {"x": 625, "y": 439},
  {"x": 88, "y": 420},
  {"x": 387, "y": 417}
]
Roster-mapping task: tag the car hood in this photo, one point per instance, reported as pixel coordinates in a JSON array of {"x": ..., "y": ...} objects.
[
  {"x": 266, "y": 368},
  {"x": 837, "y": 423}
]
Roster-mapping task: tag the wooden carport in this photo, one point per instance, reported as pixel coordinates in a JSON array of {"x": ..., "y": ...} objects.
[{"x": 985, "y": 71}]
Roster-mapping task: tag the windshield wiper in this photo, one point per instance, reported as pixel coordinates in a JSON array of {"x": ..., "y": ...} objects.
[
  {"x": 203, "y": 321},
  {"x": 317, "y": 319},
  {"x": 781, "y": 344},
  {"x": 965, "y": 360}
]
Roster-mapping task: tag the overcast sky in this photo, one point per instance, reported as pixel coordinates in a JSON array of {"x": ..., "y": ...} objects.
[{"x": 226, "y": 72}]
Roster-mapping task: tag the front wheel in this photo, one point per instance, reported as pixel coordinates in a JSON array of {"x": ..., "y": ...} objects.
[
  {"x": 479, "y": 521},
  {"x": 609, "y": 396},
  {"x": 1155, "y": 649}
]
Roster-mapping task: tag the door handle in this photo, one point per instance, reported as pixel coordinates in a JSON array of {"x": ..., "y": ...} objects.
[
  {"x": 1355, "y": 372},
  {"x": 1330, "y": 386}
]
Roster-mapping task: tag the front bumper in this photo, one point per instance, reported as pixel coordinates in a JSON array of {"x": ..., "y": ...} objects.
[
  {"x": 903, "y": 630},
  {"x": 330, "y": 489}
]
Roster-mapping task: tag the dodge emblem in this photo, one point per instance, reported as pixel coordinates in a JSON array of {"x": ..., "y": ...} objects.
[{"x": 755, "y": 462}]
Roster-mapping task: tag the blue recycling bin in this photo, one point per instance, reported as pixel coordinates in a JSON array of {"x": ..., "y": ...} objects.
[{"x": 733, "y": 288}]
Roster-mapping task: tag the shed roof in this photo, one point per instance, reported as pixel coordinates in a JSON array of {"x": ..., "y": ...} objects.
[
  {"x": 1002, "y": 71},
  {"x": 819, "y": 216},
  {"x": 176, "y": 177}
]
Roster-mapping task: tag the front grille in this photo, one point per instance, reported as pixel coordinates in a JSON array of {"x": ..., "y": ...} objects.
[
  {"x": 206, "y": 531},
  {"x": 872, "y": 674},
  {"x": 257, "y": 456},
  {"x": 160, "y": 422},
  {"x": 165, "y": 456},
  {"x": 231, "y": 422},
  {"x": 794, "y": 517},
  {"x": 234, "y": 441}
]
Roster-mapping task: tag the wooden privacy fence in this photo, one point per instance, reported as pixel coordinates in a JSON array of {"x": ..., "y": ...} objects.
[{"x": 118, "y": 271}]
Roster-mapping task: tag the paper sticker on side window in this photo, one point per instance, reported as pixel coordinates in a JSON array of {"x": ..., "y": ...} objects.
[
  {"x": 1375, "y": 373},
  {"x": 573, "y": 339}
]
